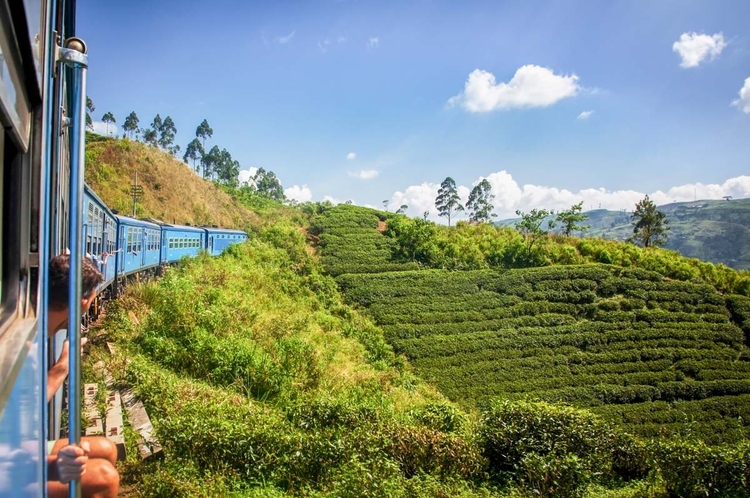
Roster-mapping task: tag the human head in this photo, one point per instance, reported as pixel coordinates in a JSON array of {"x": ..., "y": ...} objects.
[{"x": 59, "y": 269}]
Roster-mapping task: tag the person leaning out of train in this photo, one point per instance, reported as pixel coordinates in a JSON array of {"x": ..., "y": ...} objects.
[{"x": 93, "y": 461}]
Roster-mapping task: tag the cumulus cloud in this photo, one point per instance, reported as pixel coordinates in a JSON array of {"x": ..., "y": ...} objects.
[
  {"x": 510, "y": 196},
  {"x": 100, "y": 128},
  {"x": 351, "y": 155},
  {"x": 694, "y": 48},
  {"x": 332, "y": 200},
  {"x": 285, "y": 39},
  {"x": 365, "y": 174},
  {"x": 299, "y": 194},
  {"x": 246, "y": 175},
  {"x": 744, "y": 101},
  {"x": 373, "y": 42},
  {"x": 585, "y": 115},
  {"x": 531, "y": 86}
]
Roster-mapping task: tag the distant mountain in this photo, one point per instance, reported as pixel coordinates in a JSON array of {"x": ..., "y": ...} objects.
[{"x": 711, "y": 230}]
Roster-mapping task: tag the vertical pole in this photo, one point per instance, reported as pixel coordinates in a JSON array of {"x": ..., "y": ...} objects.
[
  {"x": 74, "y": 56},
  {"x": 135, "y": 194},
  {"x": 50, "y": 127}
]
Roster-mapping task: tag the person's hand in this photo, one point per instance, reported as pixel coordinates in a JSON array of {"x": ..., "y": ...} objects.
[{"x": 71, "y": 461}]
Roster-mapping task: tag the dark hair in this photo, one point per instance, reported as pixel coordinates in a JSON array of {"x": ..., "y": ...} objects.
[{"x": 59, "y": 269}]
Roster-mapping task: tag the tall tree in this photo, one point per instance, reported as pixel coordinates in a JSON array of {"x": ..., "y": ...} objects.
[
  {"x": 448, "y": 201},
  {"x": 570, "y": 218},
  {"x": 268, "y": 185},
  {"x": 167, "y": 131},
  {"x": 480, "y": 202},
  {"x": 89, "y": 109},
  {"x": 227, "y": 169},
  {"x": 402, "y": 209},
  {"x": 650, "y": 225},
  {"x": 131, "y": 124},
  {"x": 193, "y": 152},
  {"x": 150, "y": 137},
  {"x": 108, "y": 118},
  {"x": 203, "y": 132},
  {"x": 209, "y": 161},
  {"x": 531, "y": 226}
]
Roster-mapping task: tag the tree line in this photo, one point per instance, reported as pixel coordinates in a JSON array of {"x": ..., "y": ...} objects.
[
  {"x": 650, "y": 225},
  {"x": 215, "y": 164}
]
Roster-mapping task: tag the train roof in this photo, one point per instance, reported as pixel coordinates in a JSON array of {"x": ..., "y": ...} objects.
[
  {"x": 225, "y": 230},
  {"x": 182, "y": 228},
  {"x": 87, "y": 190},
  {"x": 126, "y": 220}
]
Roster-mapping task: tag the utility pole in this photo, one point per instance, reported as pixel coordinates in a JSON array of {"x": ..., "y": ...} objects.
[{"x": 137, "y": 192}]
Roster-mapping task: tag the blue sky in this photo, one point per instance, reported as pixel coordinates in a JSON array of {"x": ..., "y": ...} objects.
[{"x": 374, "y": 101}]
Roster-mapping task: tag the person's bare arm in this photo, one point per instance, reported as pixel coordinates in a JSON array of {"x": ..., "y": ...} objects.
[
  {"x": 59, "y": 371},
  {"x": 57, "y": 374}
]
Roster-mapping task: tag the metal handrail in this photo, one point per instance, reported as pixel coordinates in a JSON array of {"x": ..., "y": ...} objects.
[{"x": 73, "y": 55}]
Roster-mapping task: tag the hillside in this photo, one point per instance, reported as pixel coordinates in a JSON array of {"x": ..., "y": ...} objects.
[
  {"x": 651, "y": 353},
  {"x": 711, "y": 230},
  {"x": 172, "y": 192},
  {"x": 265, "y": 376}
]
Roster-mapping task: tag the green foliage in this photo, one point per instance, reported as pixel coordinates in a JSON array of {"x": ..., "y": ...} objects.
[
  {"x": 530, "y": 227},
  {"x": 692, "y": 469},
  {"x": 570, "y": 219},
  {"x": 194, "y": 152},
  {"x": 267, "y": 185},
  {"x": 89, "y": 109},
  {"x": 131, "y": 124},
  {"x": 108, "y": 118},
  {"x": 448, "y": 201},
  {"x": 203, "y": 132},
  {"x": 480, "y": 202},
  {"x": 552, "y": 450},
  {"x": 167, "y": 132},
  {"x": 650, "y": 225}
]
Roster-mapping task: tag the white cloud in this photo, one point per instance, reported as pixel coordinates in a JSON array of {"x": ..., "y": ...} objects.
[
  {"x": 297, "y": 193},
  {"x": 332, "y": 200},
  {"x": 365, "y": 174},
  {"x": 585, "y": 115},
  {"x": 246, "y": 175},
  {"x": 373, "y": 42},
  {"x": 351, "y": 155},
  {"x": 285, "y": 39},
  {"x": 100, "y": 128},
  {"x": 340, "y": 39},
  {"x": 694, "y": 48},
  {"x": 744, "y": 101},
  {"x": 509, "y": 196},
  {"x": 323, "y": 45},
  {"x": 531, "y": 86}
]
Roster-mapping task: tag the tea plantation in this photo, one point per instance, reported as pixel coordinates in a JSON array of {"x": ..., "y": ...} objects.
[{"x": 655, "y": 355}]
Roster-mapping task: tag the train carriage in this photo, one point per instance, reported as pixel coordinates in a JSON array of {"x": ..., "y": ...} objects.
[
  {"x": 179, "y": 240},
  {"x": 218, "y": 239},
  {"x": 100, "y": 239},
  {"x": 138, "y": 244}
]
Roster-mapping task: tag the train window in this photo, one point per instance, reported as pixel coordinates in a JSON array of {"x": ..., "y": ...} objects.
[
  {"x": 139, "y": 238},
  {"x": 90, "y": 230}
]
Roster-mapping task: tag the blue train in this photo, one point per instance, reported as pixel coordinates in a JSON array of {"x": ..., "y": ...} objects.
[
  {"x": 45, "y": 210},
  {"x": 124, "y": 246}
]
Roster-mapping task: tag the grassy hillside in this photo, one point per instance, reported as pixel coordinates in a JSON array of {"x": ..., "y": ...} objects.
[
  {"x": 262, "y": 381},
  {"x": 657, "y": 355},
  {"x": 173, "y": 193},
  {"x": 715, "y": 231}
]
